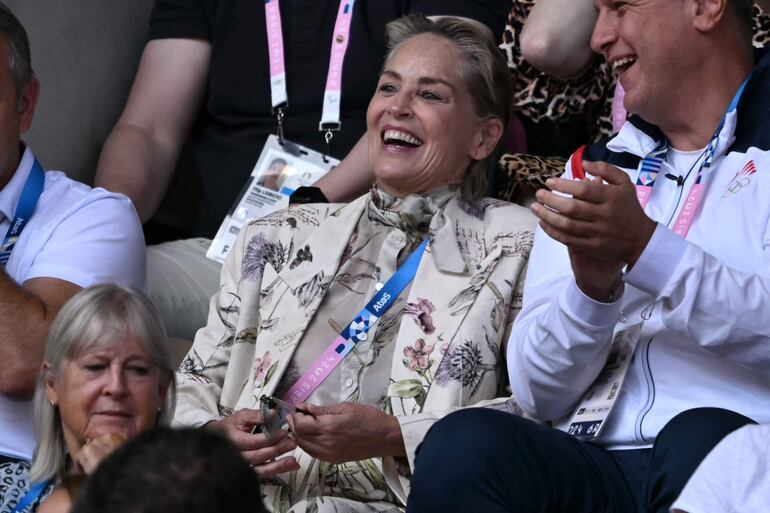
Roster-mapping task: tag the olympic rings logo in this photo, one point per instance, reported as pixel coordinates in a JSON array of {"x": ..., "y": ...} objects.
[{"x": 735, "y": 187}]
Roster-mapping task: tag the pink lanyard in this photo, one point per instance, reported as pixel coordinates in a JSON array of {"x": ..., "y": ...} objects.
[
  {"x": 330, "y": 116},
  {"x": 648, "y": 174},
  {"x": 652, "y": 163}
]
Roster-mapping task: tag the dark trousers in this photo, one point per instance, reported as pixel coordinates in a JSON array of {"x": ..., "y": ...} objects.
[{"x": 481, "y": 460}]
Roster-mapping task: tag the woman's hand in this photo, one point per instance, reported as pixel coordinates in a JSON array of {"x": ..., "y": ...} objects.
[
  {"x": 256, "y": 449},
  {"x": 94, "y": 451},
  {"x": 347, "y": 432}
]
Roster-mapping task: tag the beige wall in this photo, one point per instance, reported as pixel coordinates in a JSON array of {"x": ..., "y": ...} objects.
[{"x": 85, "y": 54}]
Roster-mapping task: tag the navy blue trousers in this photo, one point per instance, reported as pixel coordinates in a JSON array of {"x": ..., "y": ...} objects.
[{"x": 493, "y": 462}]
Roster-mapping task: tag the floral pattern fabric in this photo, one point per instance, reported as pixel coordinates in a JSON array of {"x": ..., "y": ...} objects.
[{"x": 295, "y": 278}]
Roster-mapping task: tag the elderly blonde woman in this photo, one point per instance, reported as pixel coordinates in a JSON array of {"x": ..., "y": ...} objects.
[
  {"x": 297, "y": 280},
  {"x": 106, "y": 376}
]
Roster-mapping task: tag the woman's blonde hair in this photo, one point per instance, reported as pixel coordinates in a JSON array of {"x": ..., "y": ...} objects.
[
  {"x": 484, "y": 72},
  {"x": 95, "y": 317}
]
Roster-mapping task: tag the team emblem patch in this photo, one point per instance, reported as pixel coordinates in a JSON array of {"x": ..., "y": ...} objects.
[{"x": 741, "y": 179}]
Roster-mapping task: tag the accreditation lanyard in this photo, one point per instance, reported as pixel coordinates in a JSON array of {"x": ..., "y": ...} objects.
[
  {"x": 31, "y": 496},
  {"x": 652, "y": 163},
  {"x": 30, "y": 195},
  {"x": 330, "y": 116},
  {"x": 357, "y": 330}
]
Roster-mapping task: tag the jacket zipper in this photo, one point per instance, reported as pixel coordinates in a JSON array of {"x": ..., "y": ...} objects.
[{"x": 644, "y": 356}]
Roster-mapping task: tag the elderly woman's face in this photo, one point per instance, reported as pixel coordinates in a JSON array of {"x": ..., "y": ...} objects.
[
  {"x": 115, "y": 389},
  {"x": 421, "y": 128}
]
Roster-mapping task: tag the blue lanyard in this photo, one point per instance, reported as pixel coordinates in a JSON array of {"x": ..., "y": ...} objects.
[
  {"x": 31, "y": 496},
  {"x": 382, "y": 300},
  {"x": 356, "y": 331},
  {"x": 30, "y": 195}
]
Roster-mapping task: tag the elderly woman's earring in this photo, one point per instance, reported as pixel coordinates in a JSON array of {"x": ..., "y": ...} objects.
[{"x": 53, "y": 403}]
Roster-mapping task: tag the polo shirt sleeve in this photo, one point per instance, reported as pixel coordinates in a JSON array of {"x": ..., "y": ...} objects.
[
  {"x": 492, "y": 13},
  {"x": 183, "y": 19},
  {"x": 99, "y": 241}
]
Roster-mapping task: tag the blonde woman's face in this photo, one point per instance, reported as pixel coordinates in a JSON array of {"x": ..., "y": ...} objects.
[
  {"x": 116, "y": 389},
  {"x": 421, "y": 128}
]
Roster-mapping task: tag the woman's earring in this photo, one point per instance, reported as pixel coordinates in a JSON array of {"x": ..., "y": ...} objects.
[{"x": 53, "y": 403}]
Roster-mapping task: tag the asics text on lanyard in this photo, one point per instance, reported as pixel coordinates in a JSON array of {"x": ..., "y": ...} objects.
[
  {"x": 357, "y": 330},
  {"x": 652, "y": 163},
  {"x": 330, "y": 117},
  {"x": 33, "y": 188}
]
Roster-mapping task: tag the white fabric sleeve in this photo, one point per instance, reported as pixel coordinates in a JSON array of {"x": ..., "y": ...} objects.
[
  {"x": 722, "y": 309},
  {"x": 201, "y": 375},
  {"x": 100, "y": 241},
  {"x": 735, "y": 476},
  {"x": 561, "y": 338}
]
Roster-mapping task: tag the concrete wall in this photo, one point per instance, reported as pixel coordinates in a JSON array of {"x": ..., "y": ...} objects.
[{"x": 85, "y": 53}]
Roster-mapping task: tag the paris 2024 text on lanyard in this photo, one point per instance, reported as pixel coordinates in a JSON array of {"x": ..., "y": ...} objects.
[
  {"x": 284, "y": 166},
  {"x": 590, "y": 416}
]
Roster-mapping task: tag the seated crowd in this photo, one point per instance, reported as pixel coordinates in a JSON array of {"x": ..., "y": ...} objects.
[{"x": 396, "y": 340}]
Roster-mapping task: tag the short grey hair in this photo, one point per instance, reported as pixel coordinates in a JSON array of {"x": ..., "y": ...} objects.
[
  {"x": 484, "y": 72},
  {"x": 99, "y": 316},
  {"x": 19, "y": 55}
]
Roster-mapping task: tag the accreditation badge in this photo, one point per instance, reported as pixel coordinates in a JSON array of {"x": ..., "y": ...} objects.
[
  {"x": 282, "y": 168},
  {"x": 588, "y": 419}
]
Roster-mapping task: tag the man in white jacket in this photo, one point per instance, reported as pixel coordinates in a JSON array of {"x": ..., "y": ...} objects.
[{"x": 644, "y": 335}]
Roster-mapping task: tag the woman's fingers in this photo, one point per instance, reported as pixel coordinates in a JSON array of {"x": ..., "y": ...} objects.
[
  {"x": 94, "y": 451},
  {"x": 269, "y": 452},
  {"x": 250, "y": 442},
  {"x": 278, "y": 466}
]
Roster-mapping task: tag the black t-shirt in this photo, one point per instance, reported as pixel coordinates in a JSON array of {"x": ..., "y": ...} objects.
[{"x": 237, "y": 118}]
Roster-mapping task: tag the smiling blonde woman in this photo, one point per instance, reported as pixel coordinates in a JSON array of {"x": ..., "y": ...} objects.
[{"x": 296, "y": 280}]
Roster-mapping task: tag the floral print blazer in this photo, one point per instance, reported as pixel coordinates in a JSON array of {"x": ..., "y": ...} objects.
[{"x": 468, "y": 287}]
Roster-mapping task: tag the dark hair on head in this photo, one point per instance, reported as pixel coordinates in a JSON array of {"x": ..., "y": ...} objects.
[
  {"x": 166, "y": 470},
  {"x": 743, "y": 11},
  {"x": 483, "y": 70},
  {"x": 19, "y": 55}
]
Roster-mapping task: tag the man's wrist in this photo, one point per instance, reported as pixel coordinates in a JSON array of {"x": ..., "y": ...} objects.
[
  {"x": 648, "y": 229},
  {"x": 608, "y": 293}
]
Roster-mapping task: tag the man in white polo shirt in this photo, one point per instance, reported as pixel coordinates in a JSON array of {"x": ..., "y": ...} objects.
[{"x": 56, "y": 236}]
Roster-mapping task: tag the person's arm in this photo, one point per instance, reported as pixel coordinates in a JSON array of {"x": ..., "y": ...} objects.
[
  {"x": 140, "y": 154},
  {"x": 351, "y": 178},
  {"x": 731, "y": 477},
  {"x": 100, "y": 242},
  {"x": 561, "y": 338},
  {"x": 201, "y": 376},
  {"x": 556, "y": 36},
  {"x": 26, "y": 314}
]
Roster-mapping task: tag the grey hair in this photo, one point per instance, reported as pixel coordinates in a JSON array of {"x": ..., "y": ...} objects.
[
  {"x": 19, "y": 55},
  {"x": 484, "y": 72},
  {"x": 95, "y": 317}
]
